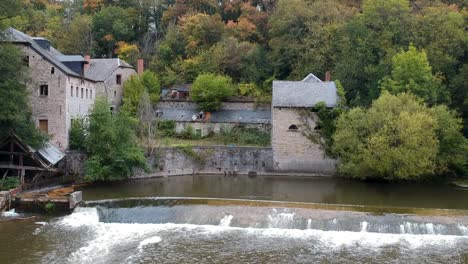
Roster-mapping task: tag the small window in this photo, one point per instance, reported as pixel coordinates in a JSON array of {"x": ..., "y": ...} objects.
[
  {"x": 26, "y": 61},
  {"x": 44, "y": 125},
  {"x": 44, "y": 90},
  {"x": 118, "y": 79},
  {"x": 82, "y": 92},
  {"x": 52, "y": 70},
  {"x": 77, "y": 90},
  {"x": 293, "y": 128},
  {"x": 115, "y": 93},
  {"x": 112, "y": 109},
  {"x": 71, "y": 91},
  {"x": 86, "y": 93},
  {"x": 91, "y": 93}
]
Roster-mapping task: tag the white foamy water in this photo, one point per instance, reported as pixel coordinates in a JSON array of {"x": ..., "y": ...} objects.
[
  {"x": 148, "y": 241},
  {"x": 10, "y": 213},
  {"x": 364, "y": 226},
  {"x": 103, "y": 240},
  {"x": 226, "y": 221}
]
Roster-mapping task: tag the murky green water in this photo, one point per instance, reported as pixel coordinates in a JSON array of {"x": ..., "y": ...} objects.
[{"x": 182, "y": 232}]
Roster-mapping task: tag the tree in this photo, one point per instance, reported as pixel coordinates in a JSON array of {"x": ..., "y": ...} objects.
[
  {"x": 111, "y": 25},
  {"x": 398, "y": 138},
  {"x": 412, "y": 73},
  {"x": 15, "y": 113},
  {"x": 134, "y": 88},
  {"x": 77, "y": 135},
  {"x": 147, "y": 123},
  {"x": 366, "y": 45},
  {"x": 111, "y": 145},
  {"x": 209, "y": 90},
  {"x": 201, "y": 31},
  {"x": 77, "y": 37}
]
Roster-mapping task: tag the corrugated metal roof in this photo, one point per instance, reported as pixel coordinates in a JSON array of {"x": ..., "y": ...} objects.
[
  {"x": 101, "y": 69},
  {"x": 304, "y": 93},
  {"x": 222, "y": 116},
  {"x": 51, "y": 153}
]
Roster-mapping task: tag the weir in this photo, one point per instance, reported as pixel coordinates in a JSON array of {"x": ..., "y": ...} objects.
[{"x": 238, "y": 213}]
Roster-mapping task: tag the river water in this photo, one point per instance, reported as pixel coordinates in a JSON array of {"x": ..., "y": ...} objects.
[{"x": 250, "y": 230}]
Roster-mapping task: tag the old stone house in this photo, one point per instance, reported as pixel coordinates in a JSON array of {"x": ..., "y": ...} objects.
[
  {"x": 292, "y": 150},
  {"x": 232, "y": 114},
  {"x": 64, "y": 87}
]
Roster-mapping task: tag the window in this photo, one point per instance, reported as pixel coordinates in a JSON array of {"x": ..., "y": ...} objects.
[
  {"x": 115, "y": 93},
  {"x": 91, "y": 93},
  {"x": 118, "y": 79},
  {"x": 112, "y": 109},
  {"x": 26, "y": 61},
  {"x": 293, "y": 128},
  {"x": 82, "y": 92},
  {"x": 44, "y": 125},
  {"x": 86, "y": 93},
  {"x": 71, "y": 91},
  {"x": 44, "y": 90},
  {"x": 52, "y": 70},
  {"x": 77, "y": 94}
]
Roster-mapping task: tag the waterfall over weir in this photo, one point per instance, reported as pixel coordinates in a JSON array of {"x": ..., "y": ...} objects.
[
  {"x": 201, "y": 212},
  {"x": 213, "y": 231}
]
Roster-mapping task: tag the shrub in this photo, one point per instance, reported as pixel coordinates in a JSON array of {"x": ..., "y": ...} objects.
[
  {"x": 209, "y": 90},
  {"x": 399, "y": 138},
  {"x": 77, "y": 134},
  {"x": 111, "y": 144},
  {"x": 9, "y": 183}
]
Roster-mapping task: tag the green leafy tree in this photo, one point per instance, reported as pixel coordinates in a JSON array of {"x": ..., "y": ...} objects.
[
  {"x": 201, "y": 31},
  {"x": 134, "y": 88},
  {"x": 398, "y": 138},
  {"x": 77, "y": 134},
  {"x": 111, "y": 145},
  {"x": 366, "y": 45},
  {"x": 111, "y": 25},
  {"x": 412, "y": 73},
  {"x": 15, "y": 113},
  {"x": 209, "y": 90}
]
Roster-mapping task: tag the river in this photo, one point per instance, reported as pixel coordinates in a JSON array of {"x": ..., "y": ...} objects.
[{"x": 244, "y": 225}]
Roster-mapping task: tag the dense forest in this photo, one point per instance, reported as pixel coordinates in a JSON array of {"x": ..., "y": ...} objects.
[
  {"x": 254, "y": 41},
  {"x": 388, "y": 57}
]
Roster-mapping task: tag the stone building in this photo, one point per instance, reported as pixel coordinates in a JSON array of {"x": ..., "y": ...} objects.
[
  {"x": 64, "y": 87},
  {"x": 232, "y": 114},
  {"x": 292, "y": 150}
]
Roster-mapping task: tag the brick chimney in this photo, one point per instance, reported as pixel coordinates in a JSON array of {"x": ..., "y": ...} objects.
[
  {"x": 328, "y": 76},
  {"x": 87, "y": 62},
  {"x": 140, "y": 66}
]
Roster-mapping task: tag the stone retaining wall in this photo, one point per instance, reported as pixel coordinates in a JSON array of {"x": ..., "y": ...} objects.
[{"x": 209, "y": 160}]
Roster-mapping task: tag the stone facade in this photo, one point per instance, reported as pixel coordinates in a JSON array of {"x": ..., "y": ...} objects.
[
  {"x": 212, "y": 160},
  {"x": 292, "y": 151},
  {"x": 58, "y": 96}
]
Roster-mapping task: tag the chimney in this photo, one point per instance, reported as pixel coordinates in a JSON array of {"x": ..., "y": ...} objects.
[
  {"x": 140, "y": 66},
  {"x": 87, "y": 62},
  {"x": 327, "y": 76}
]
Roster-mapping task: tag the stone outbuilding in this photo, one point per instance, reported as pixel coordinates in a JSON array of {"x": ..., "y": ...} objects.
[
  {"x": 64, "y": 87},
  {"x": 292, "y": 150}
]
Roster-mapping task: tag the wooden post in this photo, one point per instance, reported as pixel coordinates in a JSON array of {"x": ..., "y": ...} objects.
[{"x": 23, "y": 172}]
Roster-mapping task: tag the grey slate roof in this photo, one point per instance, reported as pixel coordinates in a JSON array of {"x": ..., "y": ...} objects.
[
  {"x": 305, "y": 93},
  {"x": 17, "y": 36},
  {"x": 101, "y": 69},
  {"x": 222, "y": 116}
]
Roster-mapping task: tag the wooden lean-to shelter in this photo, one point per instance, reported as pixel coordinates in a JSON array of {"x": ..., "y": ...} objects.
[{"x": 17, "y": 159}]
